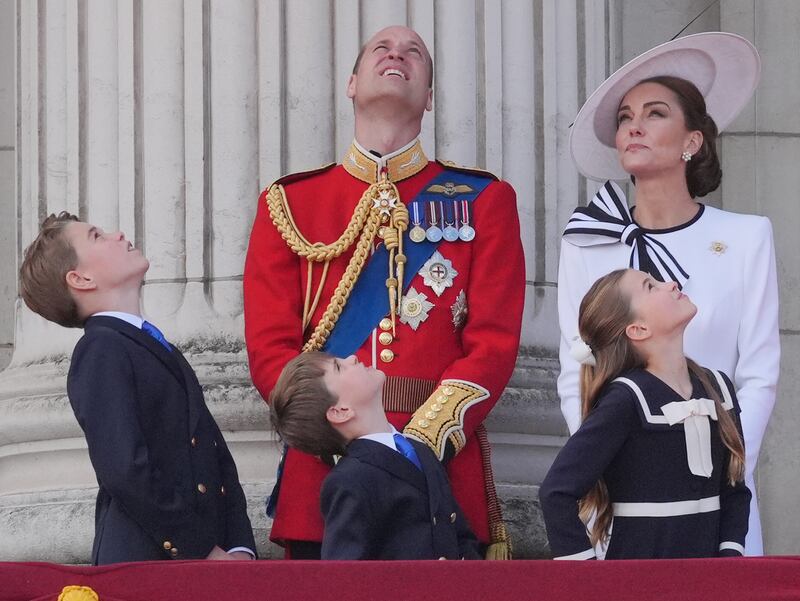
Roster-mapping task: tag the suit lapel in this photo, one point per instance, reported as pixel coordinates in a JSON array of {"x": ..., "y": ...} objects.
[
  {"x": 143, "y": 339},
  {"x": 388, "y": 460},
  {"x": 194, "y": 390}
]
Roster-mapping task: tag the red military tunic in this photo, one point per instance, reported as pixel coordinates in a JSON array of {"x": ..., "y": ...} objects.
[{"x": 480, "y": 350}]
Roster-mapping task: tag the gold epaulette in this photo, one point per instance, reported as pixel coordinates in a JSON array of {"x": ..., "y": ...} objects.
[
  {"x": 474, "y": 170},
  {"x": 294, "y": 177},
  {"x": 440, "y": 419}
]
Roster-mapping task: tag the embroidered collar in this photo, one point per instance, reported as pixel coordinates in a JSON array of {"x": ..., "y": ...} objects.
[{"x": 400, "y": 164}]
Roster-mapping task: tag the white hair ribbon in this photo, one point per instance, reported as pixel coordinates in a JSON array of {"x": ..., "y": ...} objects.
[{"x": 581, "y": 352}]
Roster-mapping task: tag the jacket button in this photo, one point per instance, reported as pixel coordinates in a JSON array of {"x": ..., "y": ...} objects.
[
  {"x": 434, "y": 520},
  {"x": 174, "y": 552},
  {"x": 215, "y": 444},
  {"x": 442, "y": 557},
  {"x": 385, "y": 338},
  {"x": 387, "y": 356},
  {"x": 193, "y": 441},
  {"x": 167, "y": 545},
  {"x": 222, "y": 490},
  {"x": 385, "y": 324},
  {"x": 202, "y": 488},
  {"x": 453, "y": 518}
]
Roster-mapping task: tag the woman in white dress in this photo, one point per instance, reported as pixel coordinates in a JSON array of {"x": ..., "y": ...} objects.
[{"x": 655, "y": 121}]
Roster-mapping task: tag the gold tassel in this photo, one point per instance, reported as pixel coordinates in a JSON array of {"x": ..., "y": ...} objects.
[{"x": 500, "y": 547}]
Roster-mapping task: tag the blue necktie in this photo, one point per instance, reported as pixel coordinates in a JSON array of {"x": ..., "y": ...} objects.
[
  {"x": 407, "y": 449},
  {"x": 156, "y": 333}
]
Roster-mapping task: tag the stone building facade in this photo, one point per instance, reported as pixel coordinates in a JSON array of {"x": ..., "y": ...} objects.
[{"x": 166, "y": 118}]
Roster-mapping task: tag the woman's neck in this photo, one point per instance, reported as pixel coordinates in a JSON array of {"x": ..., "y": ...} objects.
[{"x": 663, "y": 202}]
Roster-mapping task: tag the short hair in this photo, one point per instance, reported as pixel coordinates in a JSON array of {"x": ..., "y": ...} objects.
[
  {"x": 299, "y": 403},
  {"x": 42, "y": 276},
  {"x": 427, "y": 53},
  {"x": 703, "y": 172}
]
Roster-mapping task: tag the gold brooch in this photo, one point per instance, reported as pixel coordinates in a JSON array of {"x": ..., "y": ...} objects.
[{"x": 718, "y": 248}]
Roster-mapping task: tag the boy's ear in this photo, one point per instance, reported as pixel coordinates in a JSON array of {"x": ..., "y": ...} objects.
[
  {"x": 79, "y": 281},
  {"x": 339, "y": 415},
  {"x": 638, "y": 331}
]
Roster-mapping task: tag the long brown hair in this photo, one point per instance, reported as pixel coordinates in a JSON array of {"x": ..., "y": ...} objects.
[{"x": 605, "y": 313}]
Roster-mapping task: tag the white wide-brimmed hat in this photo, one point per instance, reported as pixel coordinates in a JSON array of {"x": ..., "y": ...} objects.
[{"x": 725, "y": 68}]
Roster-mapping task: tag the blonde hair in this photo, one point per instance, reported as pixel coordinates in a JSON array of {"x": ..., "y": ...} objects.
[
  {"x": 604, "y": 315},
  {"x": 42, "y": 276}
]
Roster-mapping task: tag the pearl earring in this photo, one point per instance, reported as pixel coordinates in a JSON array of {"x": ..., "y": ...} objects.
[{"x": 686, "y": 156}]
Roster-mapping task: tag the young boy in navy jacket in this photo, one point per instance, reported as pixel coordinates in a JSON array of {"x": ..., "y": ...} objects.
[
  {"x": 388, "y": 496},
  {"x": 168, "y": 486}
]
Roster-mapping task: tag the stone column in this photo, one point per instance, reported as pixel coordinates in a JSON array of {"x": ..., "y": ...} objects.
[
  {"x": 165, "y": 119},
  {"x": 8, "y": 143},
  {"x": 759, "y": 153}
]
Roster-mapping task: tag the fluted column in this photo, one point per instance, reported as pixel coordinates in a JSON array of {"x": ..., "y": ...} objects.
[{"x": 166, "y": 118}]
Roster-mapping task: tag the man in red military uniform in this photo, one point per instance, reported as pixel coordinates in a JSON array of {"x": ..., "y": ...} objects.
[{"x": 414, "y": 266}]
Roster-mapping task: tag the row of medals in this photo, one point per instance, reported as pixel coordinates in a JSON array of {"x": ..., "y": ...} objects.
[{"x": 434, "y": 233}]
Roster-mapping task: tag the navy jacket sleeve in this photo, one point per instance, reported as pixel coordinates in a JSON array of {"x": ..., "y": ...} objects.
[
  {"x": 102, "y": 390},
  {"x": 238, "y": 530},
  {"x": 582, "y": 462},
  {"x": 734, "y": 499}
]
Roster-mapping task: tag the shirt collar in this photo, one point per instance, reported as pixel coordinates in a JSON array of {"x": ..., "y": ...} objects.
[
  {"x": 135, "y": 320},
  {"x": 385, "y": 438},
  {"x": 399, "y": 164}
]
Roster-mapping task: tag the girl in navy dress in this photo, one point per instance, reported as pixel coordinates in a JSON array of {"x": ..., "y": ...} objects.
[{"x": 660, "y": 448}]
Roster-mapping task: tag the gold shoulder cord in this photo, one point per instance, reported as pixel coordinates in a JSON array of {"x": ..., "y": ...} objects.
[{"x": 379, "y": 204}]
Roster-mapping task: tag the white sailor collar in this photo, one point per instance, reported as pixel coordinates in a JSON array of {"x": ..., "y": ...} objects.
[{"x": 650, "y": 409}]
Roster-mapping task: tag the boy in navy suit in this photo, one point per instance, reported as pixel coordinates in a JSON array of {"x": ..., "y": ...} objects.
[
  {"x": 168, "y": 487},
  {"x": 388, "y": 496}
]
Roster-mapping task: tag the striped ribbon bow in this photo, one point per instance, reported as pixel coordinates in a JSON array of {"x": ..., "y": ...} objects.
[{"x": 607, "y": 220}]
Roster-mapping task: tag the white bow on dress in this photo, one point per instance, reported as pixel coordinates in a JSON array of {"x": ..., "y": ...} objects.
[{"x": 694, "y": 414}]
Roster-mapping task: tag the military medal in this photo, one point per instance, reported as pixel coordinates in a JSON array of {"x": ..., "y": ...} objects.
[
  {"x": 417, "y": 233},
  {"x": 450, "y": 233},
  {"x": 434, "y": 233},
  {"x": 414, "y": 308},
  {"x": 438, "y": 273},
  {"x": 459, "y": 310},
  {"x": 466, "y": 232}
]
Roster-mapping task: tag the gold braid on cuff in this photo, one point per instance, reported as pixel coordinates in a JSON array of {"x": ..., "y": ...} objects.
[{"x": 440, "y": 419}]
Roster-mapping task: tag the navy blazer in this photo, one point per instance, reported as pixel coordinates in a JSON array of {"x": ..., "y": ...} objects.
[
  {"x": 378, "y": 505},
  {"x": 168, "y": 486}
]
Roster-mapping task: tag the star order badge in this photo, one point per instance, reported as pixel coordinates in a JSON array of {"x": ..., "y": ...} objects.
[
  {"x": 415, "y": 308},
  {"x": 438, "y": 273},
  {"x": 459, "y": 310},
  {"x": 385, "y": 202}
]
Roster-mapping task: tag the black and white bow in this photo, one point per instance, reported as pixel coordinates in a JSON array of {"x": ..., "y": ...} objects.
[{"x": 606, "y": 220}]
